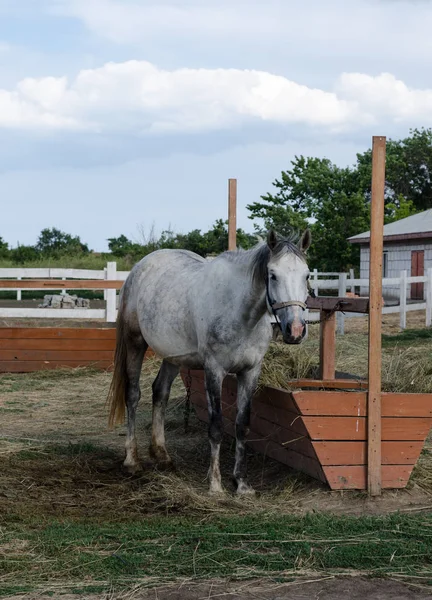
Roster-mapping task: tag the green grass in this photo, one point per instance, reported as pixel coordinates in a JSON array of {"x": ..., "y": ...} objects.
[
  {"x": 39, "y": 295},
  {"x": 160, "y": 549},
  {"x": 407, "y": 337},
  {"x": 89, "y": 261}
]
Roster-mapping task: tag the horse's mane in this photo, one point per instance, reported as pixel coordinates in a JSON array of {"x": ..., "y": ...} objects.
[{"x": 258, "y": 257}]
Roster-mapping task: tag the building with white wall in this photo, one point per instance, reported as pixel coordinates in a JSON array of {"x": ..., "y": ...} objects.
[{"x": 407, "y": 246}]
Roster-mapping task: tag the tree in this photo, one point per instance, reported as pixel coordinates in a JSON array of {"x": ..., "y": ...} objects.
[
  {"x": 335, "y": 201},
  {"x": 316, "y": 193},
  {"x": 53, "y": 242},
  {"x": 408, "y": 170},
  {"x": 122, "y": 246},
  {"x": 24, "y": 254},
  {"x": 4, "y": 248}
]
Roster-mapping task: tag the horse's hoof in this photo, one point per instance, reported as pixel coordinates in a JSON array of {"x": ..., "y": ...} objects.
[
  {"x": 165, "y": 465},
  {"x": 134, "y": 469},
  {"x": 244, "y": 489},
  {"x": 161, "y": 458},
  {"x": 216, "y": 489}
]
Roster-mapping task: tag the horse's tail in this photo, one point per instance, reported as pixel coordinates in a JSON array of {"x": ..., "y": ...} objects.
[{"x": 117, "y": 391}]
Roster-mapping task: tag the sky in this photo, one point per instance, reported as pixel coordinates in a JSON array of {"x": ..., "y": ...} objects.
[{"x": 117, "y": 116}]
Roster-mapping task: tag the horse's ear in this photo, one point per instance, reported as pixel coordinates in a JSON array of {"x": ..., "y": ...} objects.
[
  {"x": 305, "y": 241},
  {"x": 272, "y": 239}
]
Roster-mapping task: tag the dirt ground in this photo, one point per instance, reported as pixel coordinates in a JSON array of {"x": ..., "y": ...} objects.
[
  {"x": 313, "y": 588},
  {"x": 57, "y": 457}
]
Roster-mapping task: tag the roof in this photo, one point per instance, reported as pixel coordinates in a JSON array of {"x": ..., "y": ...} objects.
[{"x": 416, "y": 226}]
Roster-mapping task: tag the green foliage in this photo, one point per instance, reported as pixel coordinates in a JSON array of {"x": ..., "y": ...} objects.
[
  {"x": 53, "y": 242},
  {"x": 122, "y": 246},
  {"x": 213, "y": 241},
  {"x": 400, "y": 209},
  {"x": 335, "y": 201},
  {"x": 4, "y": 248},
  {"x": 315, "y": 189},
  {"x": 23, "y": 254},
  {"x": 408, "y": 168}
]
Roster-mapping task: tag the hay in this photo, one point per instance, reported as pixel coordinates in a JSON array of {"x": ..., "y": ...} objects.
[{"x": 58, "y": 459}]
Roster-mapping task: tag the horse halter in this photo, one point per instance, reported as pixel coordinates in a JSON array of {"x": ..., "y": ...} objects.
[{"x": 275, "y": 306}]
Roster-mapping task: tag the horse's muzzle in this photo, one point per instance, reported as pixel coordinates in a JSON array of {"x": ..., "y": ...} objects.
[{"x": 295, "y": 332}]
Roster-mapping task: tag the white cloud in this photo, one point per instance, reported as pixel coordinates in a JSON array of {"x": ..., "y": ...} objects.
[
  {"x": 131, "y": 20},
  {"x": 385, "y": 95},
  {"x": 136, "y": 97}
]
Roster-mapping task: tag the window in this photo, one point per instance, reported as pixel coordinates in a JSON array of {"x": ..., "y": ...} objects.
[{"x": 385, "y": 265}]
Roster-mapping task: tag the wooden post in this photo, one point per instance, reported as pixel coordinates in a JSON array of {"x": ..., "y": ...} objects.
[
  {"x": 19, "y": 297},
  {"x": 232, "y": 214},
  {"x": 429, "y": 297},
  {"x": 111, "y": 297},
  {"x": 375, "y": 315},
  {"x": 402, "y": 299},
  {"x": 327, "y": 345}
]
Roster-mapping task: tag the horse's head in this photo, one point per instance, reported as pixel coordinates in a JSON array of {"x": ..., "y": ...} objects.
[{"x": 287, "y": 284}]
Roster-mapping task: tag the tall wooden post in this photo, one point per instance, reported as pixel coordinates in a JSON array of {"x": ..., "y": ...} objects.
[
  {"x": 232, "y": 214},
  {"x": 375, "y": 315},
  {"x": 327, "y": 345}
]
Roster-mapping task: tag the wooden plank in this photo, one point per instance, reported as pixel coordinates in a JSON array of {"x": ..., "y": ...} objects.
[
  {"x": 357, "y": 305},
  {"x": 375, "y": 316},
  {"x": 343, "y": 384},
  {"x": 33, "y": 365},
  {"x": 57, "y": 355},
  {"x": 276, "y": 424},
  {"x": 296, "y": 461},
  {"x": 355, "y": 453},
  {"x": 270, "y": 448},
  {"x": 331, "y": 403},
  {"x": 232, "y": 214},
  {"x": 353, "y": 404},
  {"x": 355, "y": 477},
  {"x": 286, "y": 419},
  {"x": 56, "y": 344},
  {"x": 352, "y": 428},
  {"x": 276, "y": 398},
  {"x": 327, "y": 346},
  {"x": 82, "y": 333},
  {"x": 266, "y": 394},
  {"x": 406, "y": 405},
  {"x": 58, "y": 284}
]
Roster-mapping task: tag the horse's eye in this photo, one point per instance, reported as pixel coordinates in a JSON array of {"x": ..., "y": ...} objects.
[{"x": 273, "y": 276}]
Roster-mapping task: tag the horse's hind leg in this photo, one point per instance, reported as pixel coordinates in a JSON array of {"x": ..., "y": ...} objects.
[
  {"x": 161, "y": 390},
  {"x": 136, "y": 348}
]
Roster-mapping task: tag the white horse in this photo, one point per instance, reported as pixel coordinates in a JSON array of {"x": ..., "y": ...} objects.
[{"x": 212, "y": 315}]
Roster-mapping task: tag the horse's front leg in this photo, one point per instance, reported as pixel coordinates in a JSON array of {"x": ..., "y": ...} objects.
[
  {"x": 246, "y": 384},
  {"x": 214, "y": 377}
]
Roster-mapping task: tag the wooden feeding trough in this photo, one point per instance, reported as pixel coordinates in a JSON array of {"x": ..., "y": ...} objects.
[{"x": 345, "y": 433}]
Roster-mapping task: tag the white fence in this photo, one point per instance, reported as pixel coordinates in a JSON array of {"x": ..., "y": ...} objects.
[
  {"x": 346, "y": 282},
  {"x": 342, "y": 282},
  {"x": 109, "y": 313}
]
